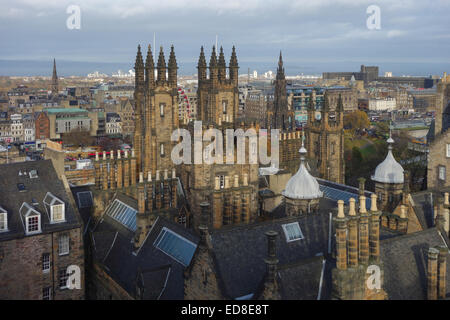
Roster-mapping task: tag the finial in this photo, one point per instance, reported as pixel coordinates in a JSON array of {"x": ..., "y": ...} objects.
[
  {"x": 362, "y": 204},
  {"x": 96, "y": 156},
  {"x": 149, "y": 176},
  {"x": 118, "y": 154},
  {"x": 141, "y": 177},
  {"x": 104, "y": 155},
  {"x": 111, "y": 153},
  {"x": 173, "y": 174},
  {"x": 373, "y": 202},
  {"x": 340, "y": 209},
  {"x": 352, "y": 211}
]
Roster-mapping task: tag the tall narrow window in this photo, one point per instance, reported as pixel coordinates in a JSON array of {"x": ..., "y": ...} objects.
[
  {"x": 63, "y": 242},
  {"x": 224, "y": 106},
  {"x": 46, "y": 262},
  {"x": 222, "y": 182},
  {"x": 162, "y": 149},
  {"x": 448, "y": 150},
  {"x": 3, "y": 220},
  {"x": 46, "y": 293},
  {"x": 161, "y": 109},
  {"x": 62, "y": 278},
  {"x": 442, "y": 173}
]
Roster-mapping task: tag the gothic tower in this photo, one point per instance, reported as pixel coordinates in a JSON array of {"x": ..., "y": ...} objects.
[
  {"x": 54, "y": 80},
  {"x": 325, "y": 136},
  {"x": 231, "y": 188},
  {"x": 282, "y": 116},
  {"x": 218, "y": 96},
  {"x": 156, "y": 111}
]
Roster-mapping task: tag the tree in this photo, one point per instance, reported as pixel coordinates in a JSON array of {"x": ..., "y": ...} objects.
[
  {"x": 79, "y": 137},
  {"x": 357, "y": 121}
]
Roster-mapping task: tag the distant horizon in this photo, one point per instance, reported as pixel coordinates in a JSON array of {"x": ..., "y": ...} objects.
[{"x": 67, "y": 68}]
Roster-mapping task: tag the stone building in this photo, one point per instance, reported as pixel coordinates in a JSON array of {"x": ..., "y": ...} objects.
[
  {"x": 40, "y": 234},
  {"x": 156, "y": 111},
  {"x": 231, "y": 189},
  {"x": 439, "y": 154},
  {"x": 325, "y": 140}
]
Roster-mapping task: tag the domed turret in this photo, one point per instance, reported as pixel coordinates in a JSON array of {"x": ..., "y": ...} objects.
[
  {"x": 389, "y": 180},
  {"x": 302, "y": 191},
  {"x": 389, "y": 171}
]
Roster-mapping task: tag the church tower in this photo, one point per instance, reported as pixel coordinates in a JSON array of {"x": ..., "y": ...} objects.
[
  {"x": 54, "y": 80},
  {"x": 325, "y": 136},
  {"x": 218, "y": 96},
  {"x": 282, "y": 116},
  {"x": 231, "y": 188},
  {"x": 156, "y": 111}
]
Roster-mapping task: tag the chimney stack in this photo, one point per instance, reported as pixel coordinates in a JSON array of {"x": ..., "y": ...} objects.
[
  {"x": 432, "y": 273},
  {"x": 352, "y": 235},
  {"x": 374, "y": 230},
  {"x": 271, "y": 260},
  {"x": 363, "y": 232},
  {"x": 341, "y": 237},
  {"x": 442, "y": 272}
]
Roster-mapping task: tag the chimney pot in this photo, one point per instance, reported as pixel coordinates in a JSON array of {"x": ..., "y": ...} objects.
[
  {"x": 373, "y": 204},
  {"x": 352, "y": 210}
]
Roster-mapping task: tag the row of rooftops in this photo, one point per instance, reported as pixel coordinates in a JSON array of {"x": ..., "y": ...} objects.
[{"x": 33, "y": 189}]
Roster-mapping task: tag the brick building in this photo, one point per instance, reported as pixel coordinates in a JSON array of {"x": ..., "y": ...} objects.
[{"x": 40, "y": 234}]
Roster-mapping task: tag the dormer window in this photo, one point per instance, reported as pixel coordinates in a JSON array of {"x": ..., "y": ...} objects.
[
  {"x": 55, "y": 207},
  {"x": 3, "y": 220},
  {"x": 31, "y": 219}
]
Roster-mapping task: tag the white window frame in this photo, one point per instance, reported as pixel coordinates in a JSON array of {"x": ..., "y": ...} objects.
[
  {"x": 448, "y": 150},
  {"x": 3, "y": 220},
  {"x": 63, "y": 213},
  {"x": 442, "y": 173},
  {"x": 28, "y": 225},
  {"x": 63, "y": 247},
  {"x": 46, "y": 263},
  {"x": 161, "y": 149},
  {"x": 286, "y": 232}
]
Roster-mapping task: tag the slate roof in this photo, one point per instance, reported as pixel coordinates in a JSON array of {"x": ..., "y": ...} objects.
[
  {"x": 310, "y": 279},
  {"x": 161, "y": 275},
  {"x": 239, "y": 252},
  {"x": 405, "y": 264},
  {"x": 47, "y": 181}
]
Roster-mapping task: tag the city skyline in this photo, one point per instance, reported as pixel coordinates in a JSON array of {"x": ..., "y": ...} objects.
[{"x": 314, "y": 37}]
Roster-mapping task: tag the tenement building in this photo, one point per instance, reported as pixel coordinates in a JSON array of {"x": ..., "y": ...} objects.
[{"x": 41, "y": 245}]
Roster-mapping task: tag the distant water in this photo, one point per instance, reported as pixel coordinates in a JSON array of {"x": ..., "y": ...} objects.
[{"x": 76, "y": 68}]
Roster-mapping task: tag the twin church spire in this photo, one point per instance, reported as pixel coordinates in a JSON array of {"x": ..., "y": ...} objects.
[
  {"x": 165, "y": 74},
  {"x": 218, "y": 67}
]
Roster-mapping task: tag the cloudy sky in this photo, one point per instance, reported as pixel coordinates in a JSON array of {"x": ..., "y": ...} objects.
[{"x": 332, "y": 34}]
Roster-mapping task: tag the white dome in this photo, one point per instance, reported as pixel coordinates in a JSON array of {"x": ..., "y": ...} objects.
[
  {"x": 302, "y": 185},
  {"x": 389, "y": 171}
]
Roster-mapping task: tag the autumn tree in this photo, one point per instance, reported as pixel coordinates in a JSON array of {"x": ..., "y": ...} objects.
[{"x": 357, "y": 121}]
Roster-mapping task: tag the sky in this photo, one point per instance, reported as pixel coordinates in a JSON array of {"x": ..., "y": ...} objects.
[{"x": 314, "y": 35}]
